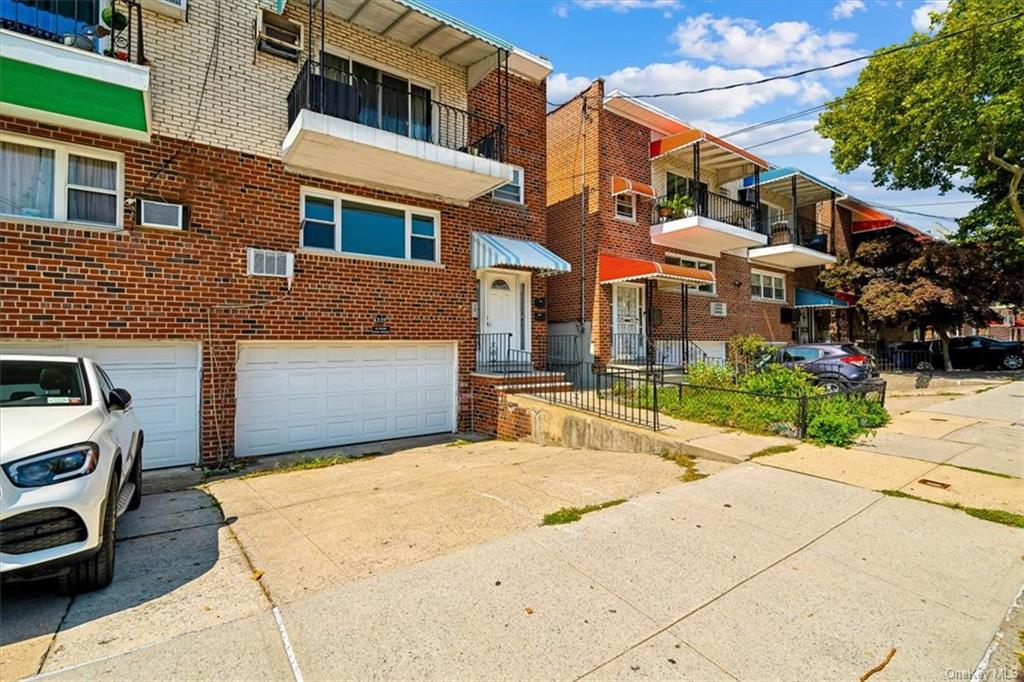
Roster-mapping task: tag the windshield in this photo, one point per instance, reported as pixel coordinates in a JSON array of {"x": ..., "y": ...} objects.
[{"x": 32, "y": 383}]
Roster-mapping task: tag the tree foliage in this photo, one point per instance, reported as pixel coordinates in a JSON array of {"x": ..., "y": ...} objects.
[{"x": 944, "y": 114}]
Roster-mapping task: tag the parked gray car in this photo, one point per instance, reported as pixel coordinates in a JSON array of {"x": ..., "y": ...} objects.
[{"x": 837, "y": 367}]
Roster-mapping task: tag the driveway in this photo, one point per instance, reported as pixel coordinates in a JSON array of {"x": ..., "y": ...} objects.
[{"x": 431, "y": 564}]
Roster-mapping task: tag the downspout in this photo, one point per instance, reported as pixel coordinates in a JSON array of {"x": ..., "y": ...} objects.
[
  {"x": 583, "y": 220},
  {"x": 792, "y": 210}
]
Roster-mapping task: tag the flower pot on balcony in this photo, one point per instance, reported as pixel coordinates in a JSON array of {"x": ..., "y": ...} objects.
[
  {"x": 114, "y": 19},
  {"x": 664, "y": 211}
]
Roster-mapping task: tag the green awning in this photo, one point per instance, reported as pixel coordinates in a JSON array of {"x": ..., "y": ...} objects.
[{"x": 807, "y": 298}]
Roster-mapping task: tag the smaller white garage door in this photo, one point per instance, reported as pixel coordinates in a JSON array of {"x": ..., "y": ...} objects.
[
  {"x": 163, "y": 379},
  {"x": 302, "y": 396}
]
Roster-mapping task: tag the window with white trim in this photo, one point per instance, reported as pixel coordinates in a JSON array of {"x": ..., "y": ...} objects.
[
  {"x": 767, "y": 286},
  {"x": 625, "y": 206},
  {"x": 64, "y": 183},
  {"x": 697, "y": 264},
  {"x": 364, "y": 227},
  {"x": 511, "y": 191}
]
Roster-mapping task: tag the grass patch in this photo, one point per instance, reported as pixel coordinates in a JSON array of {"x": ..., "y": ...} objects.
[
  {"x": 773, "y": 450},
  {"x": 994, "y": 515},
  {"x": 571, "y": 514},
  {"x": 1020, "y": 654},
  {"x": 686, "y": 462},
  {"x": 307, "y": 464},
  {"x": 981, "y": 471},
  {"x": 460, "y": 443}
]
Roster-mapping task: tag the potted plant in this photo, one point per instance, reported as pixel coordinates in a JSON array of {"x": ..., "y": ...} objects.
[
  {"x": 676, "y": 206},
  {"x": 113, "y": 18}
]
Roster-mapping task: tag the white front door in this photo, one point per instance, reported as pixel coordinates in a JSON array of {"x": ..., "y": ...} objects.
[
  {"x": 502, "y": 306},
  {"x": 627, "y": 320}
]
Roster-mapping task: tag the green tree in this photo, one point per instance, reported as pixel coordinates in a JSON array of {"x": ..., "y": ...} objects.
[
  {"x": 900, "y": 281},
  {"x": 946, "y": 114}
]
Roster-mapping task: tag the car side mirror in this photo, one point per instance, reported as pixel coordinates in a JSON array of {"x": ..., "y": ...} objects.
[{"x": 119, "y": 399}]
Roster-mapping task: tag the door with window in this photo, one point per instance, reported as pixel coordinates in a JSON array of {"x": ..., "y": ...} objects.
[
  {"x": 628, "y": 321},
  {"x": 503, "y": 315}
]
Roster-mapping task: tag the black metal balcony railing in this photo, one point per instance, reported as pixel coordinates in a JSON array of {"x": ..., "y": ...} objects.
[
  {"x": 496, "y": 354},
  {"x": 808, "y": 233},
  {"x": 633, "y": 349},
  {"x": 108, "y": 27},
  {"x": 708, "y": 205},
  {"x": 344, "y": 95}
]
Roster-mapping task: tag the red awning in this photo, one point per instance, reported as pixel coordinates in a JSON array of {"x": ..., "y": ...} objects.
[
  {"x": 844, "y": 296},
  {"x": 618, "y": 269},
  {"x": 626, "y": 186},
  {"x": 727, "y": 152}
]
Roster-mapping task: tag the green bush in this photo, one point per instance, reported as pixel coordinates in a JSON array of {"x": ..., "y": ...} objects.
[
  {"x": 706, "y": 374},
  {"x": 840, "y": 419},
  {"x": 744, "y": 351},
  {"x": 780, "y": 380}
]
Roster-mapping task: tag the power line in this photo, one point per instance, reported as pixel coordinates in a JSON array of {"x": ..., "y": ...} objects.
[
  {"x": 780, "y": 139},
  {"x": 774, "y": 121},
  {"x": 899, "y": 207},
  {"x": 827, "y": 67}
]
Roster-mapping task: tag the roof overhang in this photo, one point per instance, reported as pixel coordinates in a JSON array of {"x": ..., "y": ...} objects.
[
  {"x": 789, "y": 256},
  {"x": 419, "y": 25},
  {"x": 622, "y": 185},
  {"x": 492, "y": 251},
  {"x": 779, "y": 182},
  {"x": 612, "y": 269},
  {"x": 644, "y": 113},
  {"x": 725, "y": 158}
]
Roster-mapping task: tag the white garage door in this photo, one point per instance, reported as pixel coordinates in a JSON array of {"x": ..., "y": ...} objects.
[
  {"x": 163, "y": 379},
  {"x": 302, "y": 396}
]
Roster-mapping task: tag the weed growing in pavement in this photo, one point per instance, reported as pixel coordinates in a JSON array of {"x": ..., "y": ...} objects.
[
  {"x": 571, "y": 514},
  {"x": 994, "y": 515},
  {"x": 773, "y": 450},
  {"x": 307, "y": 464},
  {"x": 686, "y": 462}
]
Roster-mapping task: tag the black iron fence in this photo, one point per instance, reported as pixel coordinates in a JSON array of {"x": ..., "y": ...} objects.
[
  {"x": 808, "y": 233},
  {"x": 633, "y": 349},
  {"x": 709, "y": 205},
  {"x": 893, "y": 360},
  {"x": 409, "y": 111},
  {"x": 112, "y": 28}
]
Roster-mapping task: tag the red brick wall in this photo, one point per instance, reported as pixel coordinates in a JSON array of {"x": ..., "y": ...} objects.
[
  {"x": 150, "y": 284},
  {"x": 623, "y": 151}
]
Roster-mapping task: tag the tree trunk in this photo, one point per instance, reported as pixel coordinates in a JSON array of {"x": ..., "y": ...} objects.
[
  {"x": 1018, "y": 174},
  {"x": 946, "y": 362}
]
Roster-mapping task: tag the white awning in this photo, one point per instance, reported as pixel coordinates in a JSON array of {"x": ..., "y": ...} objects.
[{"x": 492, "y": 251}]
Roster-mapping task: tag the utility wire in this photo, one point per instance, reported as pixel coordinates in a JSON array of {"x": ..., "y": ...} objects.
[
  {"x": 775, "y": 121},
  {"x": 827, "y": 67},
  {"x": 779, "y": 139}
]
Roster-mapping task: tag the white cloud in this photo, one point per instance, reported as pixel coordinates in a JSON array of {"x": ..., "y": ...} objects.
[
  {"x": 844, "y": 9},
  {"x": 684, "y": 75},
  {"x": 795, "y": 142},
  {"x": 922, "y": 19},
  {"x": 744, "y": 42},
  {"x": 561, "y": 10},
  {"x": 627, "y": 5},
  {"x": 813, "y": 92}
]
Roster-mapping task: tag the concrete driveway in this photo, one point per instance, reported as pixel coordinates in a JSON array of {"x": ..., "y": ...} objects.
[{"x": 430, "y": 564}]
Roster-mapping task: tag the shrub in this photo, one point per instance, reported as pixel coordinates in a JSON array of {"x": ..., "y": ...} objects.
[
  {"x": 780, "y": 380},
  {"x": 715, "y": 376},
  {"x": 744, "y": 351},
  {"x": 839, "y": 419}
]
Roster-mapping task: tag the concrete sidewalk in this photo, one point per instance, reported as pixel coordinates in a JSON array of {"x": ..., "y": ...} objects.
[{"x": 754, "y": 573}]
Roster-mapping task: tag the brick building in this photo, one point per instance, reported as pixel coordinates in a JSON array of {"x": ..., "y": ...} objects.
[
  {"x": 744, "y": 241},
  {"x": 276, "y": 242}
]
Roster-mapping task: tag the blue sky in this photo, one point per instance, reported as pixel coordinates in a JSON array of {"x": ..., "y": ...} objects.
[{"x": 643, "y": 46}]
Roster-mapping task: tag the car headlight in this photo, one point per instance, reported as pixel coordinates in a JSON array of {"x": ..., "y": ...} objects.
[{"x": 55, "y": 466}]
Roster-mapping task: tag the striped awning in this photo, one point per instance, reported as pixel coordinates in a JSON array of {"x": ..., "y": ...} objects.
[
  {"x": 617, "y": 269},
  {"x": 807, "y": 298},
  {"x": 492, "y": 251},
  {"x": 627, "y": 186}
]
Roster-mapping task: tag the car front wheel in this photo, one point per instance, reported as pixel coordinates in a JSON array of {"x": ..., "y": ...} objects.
[
  {"x": 833, "y": 385},
  {"x": 97, "y": 571},
  {"x": 1013, "y": 361}
]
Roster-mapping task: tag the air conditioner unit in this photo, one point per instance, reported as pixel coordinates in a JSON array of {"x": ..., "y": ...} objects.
[
  {"x": 172, "y": 8},
  {"x": 278, "y": 36},
  {"x": 718, "y": 309},
  {"x": 267, "y": 263},
  {"x": 161, "y": 214}
]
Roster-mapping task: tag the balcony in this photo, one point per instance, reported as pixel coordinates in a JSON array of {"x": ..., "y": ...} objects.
[
  {"x": 707, "y": 223},
  {"x": 795, "y": 242},
  {"x": 75, "y": 64},
  {"x": 369, "y": 133}
]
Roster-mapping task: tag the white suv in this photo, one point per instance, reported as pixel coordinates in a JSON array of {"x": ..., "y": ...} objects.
[{"x": 71, "y": 451}]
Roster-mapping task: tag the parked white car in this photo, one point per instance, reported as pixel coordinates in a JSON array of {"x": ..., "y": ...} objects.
[{"x": 71, "y": 452}]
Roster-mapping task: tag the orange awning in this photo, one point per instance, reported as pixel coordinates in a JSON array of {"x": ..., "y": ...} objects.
[
  {"x": 627, "y": 186},
  {"x": 695, "y": 136},
  {"x": 618, "y": 269}
]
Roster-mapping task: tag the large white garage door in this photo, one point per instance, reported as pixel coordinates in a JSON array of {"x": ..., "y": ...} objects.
[
  {"x": 301, "y": 396},
  {"x": 163, "y": 379}
]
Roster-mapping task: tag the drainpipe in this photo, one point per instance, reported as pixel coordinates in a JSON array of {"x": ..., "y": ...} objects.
[{"x": 792, "y": 211}]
